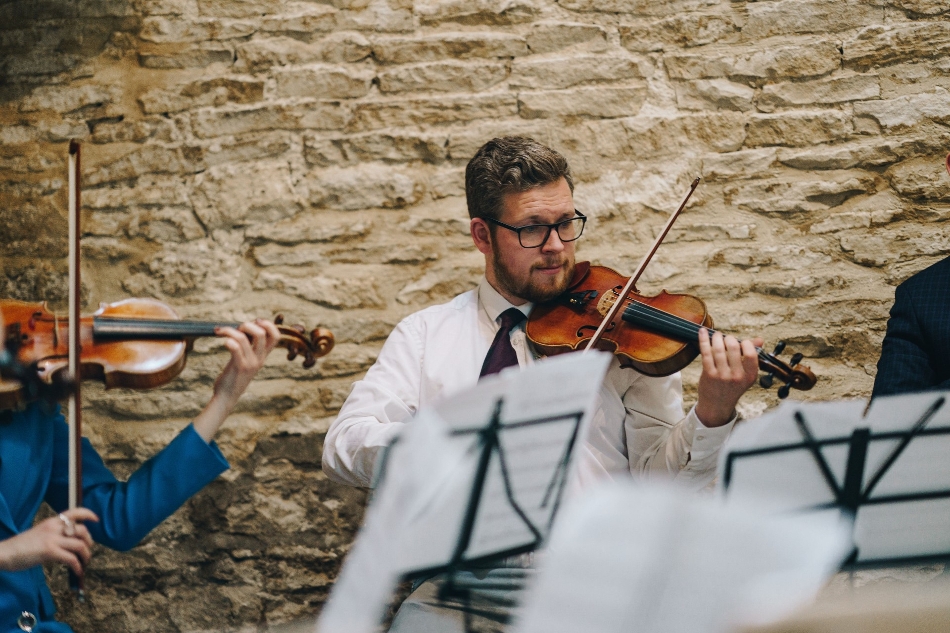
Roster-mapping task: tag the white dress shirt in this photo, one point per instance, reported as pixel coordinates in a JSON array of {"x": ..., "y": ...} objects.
[{"x": 638, "y": 426}]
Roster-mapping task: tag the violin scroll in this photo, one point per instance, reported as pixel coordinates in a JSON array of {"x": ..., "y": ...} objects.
[
  {"x": 794, "y": 376},
  {"x": 298, "y": 342}
]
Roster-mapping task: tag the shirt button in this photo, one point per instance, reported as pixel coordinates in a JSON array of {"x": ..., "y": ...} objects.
[
  {"x": 26, "y": 621},
  {"x": 700, "y": 437}
]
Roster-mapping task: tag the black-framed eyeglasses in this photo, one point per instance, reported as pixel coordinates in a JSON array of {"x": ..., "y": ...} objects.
[{"x": 536, "y": 235}]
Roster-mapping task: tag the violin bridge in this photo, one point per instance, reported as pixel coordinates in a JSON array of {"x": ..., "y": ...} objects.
[{"x": 607, "y": 301}]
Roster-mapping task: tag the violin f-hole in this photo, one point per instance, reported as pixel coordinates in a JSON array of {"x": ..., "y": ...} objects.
[{"x": 593, "y": 328}]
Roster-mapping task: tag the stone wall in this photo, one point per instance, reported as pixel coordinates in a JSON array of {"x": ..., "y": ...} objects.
[{"x": 248, "y": 157}]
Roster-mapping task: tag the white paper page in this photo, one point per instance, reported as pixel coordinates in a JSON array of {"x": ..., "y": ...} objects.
[
  {"x": 373, "y": 568},
  {"x": 638, "y": 558},
  {"x": 416, "y": 513},
  {"x": 912, "y": 528}
]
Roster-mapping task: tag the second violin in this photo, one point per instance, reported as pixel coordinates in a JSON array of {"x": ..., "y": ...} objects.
[{"x": 138, "y": 343}]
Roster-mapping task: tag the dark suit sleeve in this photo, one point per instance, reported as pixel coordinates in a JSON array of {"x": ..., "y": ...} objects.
[
  {"x": 905, "y": 364},
  {"x": 129, "y": 510}
]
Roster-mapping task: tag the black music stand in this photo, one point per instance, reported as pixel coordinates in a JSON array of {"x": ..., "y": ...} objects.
[{"x": 883, "y": 521}]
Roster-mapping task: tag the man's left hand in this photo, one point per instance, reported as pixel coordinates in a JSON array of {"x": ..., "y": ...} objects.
[{"x": 729, "y": 369}]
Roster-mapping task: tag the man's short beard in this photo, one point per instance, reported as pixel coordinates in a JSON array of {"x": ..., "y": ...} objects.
[{"x": 527, "y": 290}]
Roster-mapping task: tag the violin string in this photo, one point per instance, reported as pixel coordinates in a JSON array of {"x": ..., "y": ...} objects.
[{"x": 671, "y": 323}]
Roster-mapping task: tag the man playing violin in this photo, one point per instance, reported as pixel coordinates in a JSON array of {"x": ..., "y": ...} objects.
[
  {"x": 523, "y": 220},
  {"x": 33, "y": 469}
]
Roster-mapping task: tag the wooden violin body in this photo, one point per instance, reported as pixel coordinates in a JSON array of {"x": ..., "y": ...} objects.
[
  {"x": 136, "y": 343},
  {"x": 657, "y": 335},
  {"x": 581, "y": 309}
]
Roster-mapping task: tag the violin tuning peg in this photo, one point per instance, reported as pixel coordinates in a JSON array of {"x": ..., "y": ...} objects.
[
  {"x": 279, "y": 319},
  {"x": 779, "y": 348},
  {"x": 299, "y": 329},
  {"x": 797, "y": 358},
  {"x": 766, "y": 381},
  {"x": 309, "y": 361},
  {"x": 783, "y": 391}
]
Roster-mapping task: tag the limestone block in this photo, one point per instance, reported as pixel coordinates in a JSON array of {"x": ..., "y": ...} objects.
[
  {"x": 434, "y": 110},
  {"x": 704, "y": 94},
  {"x": 877, "y": 46},
  {"x": 710, "y": 233},
  {"x": 830, "y": 90},
  {"x": 809, "y": 16},
  {"x": 196, "y": 94},
  {"x": 447, "y": 76},
  {"x": 395, "y": 146},
  {"x": 202, "y": 55},
  {"x": 109, "y": 249},
  {"x": 199, "y": 268},
  {"x": 403, "y": 50},
  {"x": 720, "y": 131},
  {"x": 238, "y": 8},
  {"x": 66, "y": 99},
  {"x": 150, "y": 159},
  {"x": 246, "y": 148},
  {"x": 311, "y": 114},
  {"x": 441, "y": 227},
  {"x": 414, "y": 255},
  {"x": 147, "y": 190},
  {"x": 324, "y": 81},
  {"x": 636, "y": 7},
  {"x": 165, "y": 29},
  {"x": 750, "y": 163},
  {"x": 296, "y": 255},
  {"x": 803, "y": 195},
  {"x": 889, "y": 246},
  {"x": 907, "y": 111},
  {"x": 364, "y": 186},
  {"x": 812, "y": 60},
  {"x": 378, "y": 17},
  {"x": 165, "y": 224},
  {"x": 685, "y": 31},
  {"x": 840, "y": 156},
  {"x": 165, "y": 7},
  {"x": 798, "y": 129},
  {"x": 308, "y": 227},
  {"x": 922, "y": 7},
  {"x": 314, "y": 18},
  {"x": 798, "y": 287},
  {"x": 337, "y": 48},
  {"x": 493, "y": 12},
  {"x": 877, "y": 209},
  {"x": 18, "y": 134},
  {"x": 921, "y": 178},
  {"x": 447, "y": 182},
  {"x": 340, "y": 294},
  {"x": 546, "y": 37},
  {"x": 124, "y": 131},
  {"x": 225, "y": 197},
  {"x": 439, "y": 284},
  {"x": 63, "y": 131},
  {"x": 584, "y": 102},
  {"x": 564, "y": 72}
]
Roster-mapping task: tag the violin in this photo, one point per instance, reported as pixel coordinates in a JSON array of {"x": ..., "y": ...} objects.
[
  {"x": 657, "y": 336},
  {"x": 137, "y": 343}
]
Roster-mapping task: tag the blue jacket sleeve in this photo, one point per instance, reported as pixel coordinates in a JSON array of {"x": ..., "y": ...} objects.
[{"x": 129, "y": 510}]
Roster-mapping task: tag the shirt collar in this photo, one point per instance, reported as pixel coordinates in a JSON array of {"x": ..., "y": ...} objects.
[{"x": 494, "y": 304}]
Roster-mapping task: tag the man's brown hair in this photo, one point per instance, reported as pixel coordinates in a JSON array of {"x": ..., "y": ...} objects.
[{"x": 506, "y": 165}]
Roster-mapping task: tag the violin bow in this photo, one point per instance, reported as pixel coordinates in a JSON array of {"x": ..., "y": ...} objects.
[
  {"x": 631, "y": 283},
  {"x": 75, "y": 299}
]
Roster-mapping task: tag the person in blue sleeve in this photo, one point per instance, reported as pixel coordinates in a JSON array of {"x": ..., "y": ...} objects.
[{"x": 33, "y": 469}]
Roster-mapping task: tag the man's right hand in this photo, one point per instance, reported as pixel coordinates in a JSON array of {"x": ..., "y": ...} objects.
[{"x": 60, "y": 539}]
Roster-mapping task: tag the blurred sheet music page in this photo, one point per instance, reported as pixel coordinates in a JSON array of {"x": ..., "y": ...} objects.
[
  {"x": 648, "y": 557},
  {"x": 427, "y": 514},
  {"x": 887, "y": 467}
]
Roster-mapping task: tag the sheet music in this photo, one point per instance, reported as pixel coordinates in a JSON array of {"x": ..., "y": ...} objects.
[
  {"x": 903, "y": 501},
  {"x": 652, "y": 558},
  {"x": 416, "y": 516}
]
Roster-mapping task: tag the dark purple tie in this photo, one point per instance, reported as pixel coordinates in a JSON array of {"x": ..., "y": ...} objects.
[{"x": 501, "y": 354}]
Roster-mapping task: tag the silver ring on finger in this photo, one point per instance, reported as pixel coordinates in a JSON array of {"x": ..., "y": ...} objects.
[{"x": 69, "y": 528}]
